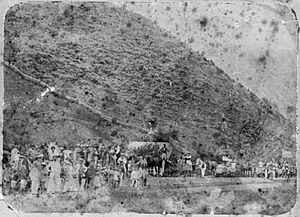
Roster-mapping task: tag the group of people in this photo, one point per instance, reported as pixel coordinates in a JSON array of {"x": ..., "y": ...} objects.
[
  {"x": 192, "y": 166},
  {"x": 272, "y": 170},
  {"x": 90, "y": 165},
  {"x": 187, "y": 163},
  {"x": 57, "y": 169}
]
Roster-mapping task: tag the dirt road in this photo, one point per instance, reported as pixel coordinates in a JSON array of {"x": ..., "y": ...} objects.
[{"x": 226, "y": 184}]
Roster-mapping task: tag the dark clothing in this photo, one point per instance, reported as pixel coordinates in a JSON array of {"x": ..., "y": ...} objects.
[
  {"x": 164, "y": 150},
  {"x": 144, "y": 181},
  {"x": 90, "y": 175}
]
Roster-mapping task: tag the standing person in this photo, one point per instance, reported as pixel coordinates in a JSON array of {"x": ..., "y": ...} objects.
[
  {"x": 213, "y": 168},
  {"x": 32, "y": 152},
  {"x": 279, "y": 170},
  {"x": 80, "y": 170},
  {"x": 273, "y": 170},
  {"x": 224, "y": 124},
  {"x": 180, "y": 164},
  {"x": 23, "y": 176},
  {"x": 249, "y": 170},
  {"x": 85, "y": 152},
  {"x": 122, "y": 170},
  {"x": 123, "y": 162},
  {"x": 286, "y": 169},
  {"x": 14, "y": 180},
  {"x": 117, "y": 152},
  {"x": 44, "y": 178},
  {"x": 164, "y": 154},
  {"x": 15, "y": 157},
  {"x": 233, "y": 167},
  {"x": 188, "y": 158},
  {"x": 203, "y": 168},
  {"x": 6, "y": 179},
  {"x": 54, "y": 185},
  {"x": 199, "y": 162},
  {"x": 129, "y": 168},
  {"x": 101, "y": 152},
  {"x": 134, "y": 177},
  {"x": 71, "y": 182},
  {"x": 90, "y": 175},
  {"x": 140, "y": 175},
  {"x": 145, "y": 175},
  {"x": 107, "y": 156},
  {"x": 266, "y": 171},
  {"x": 90, "y": 155},
  {"x": 111, "y": 152},
  {"x": 52, "y": 150},
  {"x": 35, "y": 175},
  {"x": 100, "y": 148},
  {"x": 96, "y": 156},
  {"x": 67, "y": 154},
  {"x": 44, "y": 151},
  {"x": 63, "y": 175},
  {"x": 116, "y": 177}
]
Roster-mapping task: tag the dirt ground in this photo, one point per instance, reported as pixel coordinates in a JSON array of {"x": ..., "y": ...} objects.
[{"x": 173, "y": 195}]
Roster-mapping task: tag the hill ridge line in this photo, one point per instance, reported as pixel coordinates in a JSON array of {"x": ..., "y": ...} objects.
[{"x": 68, "y": 98}]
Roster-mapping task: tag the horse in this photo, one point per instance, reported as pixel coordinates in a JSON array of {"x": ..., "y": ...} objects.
[
  {"x": 157, "y": 166},
  {"x": 153, "y": 164}
]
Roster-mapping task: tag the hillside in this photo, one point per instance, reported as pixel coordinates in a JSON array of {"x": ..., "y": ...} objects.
[{"x": 123, "y": 65}]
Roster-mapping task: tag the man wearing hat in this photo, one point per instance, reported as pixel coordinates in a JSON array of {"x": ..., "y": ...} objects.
[
  {"x": 90, "y": 175},
  {"x": 145, "y": 175},
  {"x": 188, "y": 158},
  {"x": 203, "y": 168},
  {"x": 44, "y": 178}
]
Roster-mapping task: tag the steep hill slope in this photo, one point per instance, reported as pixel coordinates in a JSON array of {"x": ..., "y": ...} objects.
[{"x": 126, "y": 67}]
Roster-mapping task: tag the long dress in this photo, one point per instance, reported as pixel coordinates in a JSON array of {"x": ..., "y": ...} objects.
[
  {"x": 54, "y": 185},
  {"x": 72, "y": 182},
  {"x": 80, "y": 170},
  {"x": 35, "y": 176}
]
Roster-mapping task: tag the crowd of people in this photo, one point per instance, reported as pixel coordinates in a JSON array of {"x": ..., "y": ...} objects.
[
  {"x": 191, "y": 166},
  {"x": 51, "y": 169},
  {"x": 57, "y": 169}
]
